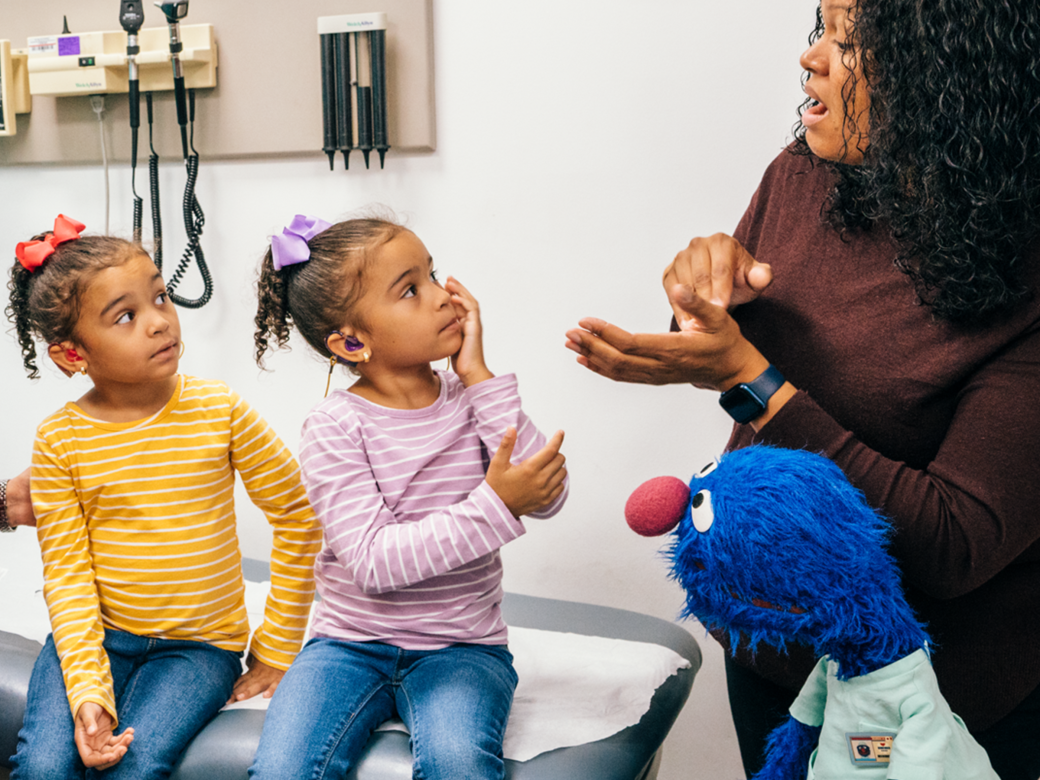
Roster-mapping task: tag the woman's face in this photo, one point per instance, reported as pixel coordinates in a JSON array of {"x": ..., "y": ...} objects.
[{"x": 836, "y": 124}]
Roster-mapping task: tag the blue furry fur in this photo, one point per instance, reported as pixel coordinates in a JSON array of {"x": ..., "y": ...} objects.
[
  {"x": 794, "y": 554},
  {"x": 788, "y": 749}
]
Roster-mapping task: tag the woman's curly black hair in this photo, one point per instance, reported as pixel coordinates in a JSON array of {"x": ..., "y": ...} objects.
[
  {"x": 953, "y": 163},
  {"x": 318, "y": 296}
]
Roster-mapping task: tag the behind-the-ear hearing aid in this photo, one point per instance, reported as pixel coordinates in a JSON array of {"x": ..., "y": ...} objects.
[{"x": 353, "y": 345}]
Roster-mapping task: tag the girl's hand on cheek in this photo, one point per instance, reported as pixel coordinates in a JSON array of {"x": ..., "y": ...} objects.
[{"x": 468, "y": 362}]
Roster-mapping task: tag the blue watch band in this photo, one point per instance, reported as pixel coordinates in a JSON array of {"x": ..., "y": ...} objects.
[{"x": 748, "y": 400}]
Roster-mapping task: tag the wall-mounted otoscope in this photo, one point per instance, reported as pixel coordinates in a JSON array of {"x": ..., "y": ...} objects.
[
  {"x": 131, "y": 17},
  {"x": 174, "y": 12},
  {"x": 194, "y": 219}
]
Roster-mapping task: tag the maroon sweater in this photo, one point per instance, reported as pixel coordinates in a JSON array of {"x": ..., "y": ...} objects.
[{"x": 939, "y": 426}]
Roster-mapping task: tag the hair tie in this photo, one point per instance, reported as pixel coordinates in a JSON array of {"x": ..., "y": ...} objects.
[
  {"x": 31, "y": 254},
  {"x": 291, "y": 247}
]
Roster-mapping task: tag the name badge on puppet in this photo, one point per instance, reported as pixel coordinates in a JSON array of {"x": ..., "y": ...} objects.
[{"x": 870, "y": 749}]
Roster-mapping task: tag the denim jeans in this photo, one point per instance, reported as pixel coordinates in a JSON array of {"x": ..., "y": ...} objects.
[
  {"x": 166, "y": 689},
  {"x": 454, "y": 701}
]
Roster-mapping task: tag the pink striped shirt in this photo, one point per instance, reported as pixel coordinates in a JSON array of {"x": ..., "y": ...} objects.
[{"x": 412, "y": 529}]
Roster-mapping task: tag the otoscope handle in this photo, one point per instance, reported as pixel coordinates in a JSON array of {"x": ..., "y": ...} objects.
[
  {"x": 135, "y": 104},
  {"x": 180, "y": 95}
]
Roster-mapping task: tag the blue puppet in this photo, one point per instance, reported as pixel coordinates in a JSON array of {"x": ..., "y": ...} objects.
[{"x": 777, "y": 546}]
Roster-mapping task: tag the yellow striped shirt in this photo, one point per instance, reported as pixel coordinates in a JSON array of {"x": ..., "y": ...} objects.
[{"x": 137, "y": 530}]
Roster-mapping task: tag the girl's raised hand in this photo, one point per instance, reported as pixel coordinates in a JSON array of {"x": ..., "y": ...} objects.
[
  {"x": 468, "y": 362},
  {"x": 532, "y": 484}
]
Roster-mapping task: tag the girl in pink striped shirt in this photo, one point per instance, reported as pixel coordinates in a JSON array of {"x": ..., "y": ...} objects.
[{"x": 419, "y": 476}]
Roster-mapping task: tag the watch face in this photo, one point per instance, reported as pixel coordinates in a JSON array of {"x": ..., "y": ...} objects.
[{"x": 742, "y": 404}]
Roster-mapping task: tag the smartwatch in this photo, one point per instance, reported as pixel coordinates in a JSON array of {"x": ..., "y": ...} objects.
[{"x": 748, "y": 400}]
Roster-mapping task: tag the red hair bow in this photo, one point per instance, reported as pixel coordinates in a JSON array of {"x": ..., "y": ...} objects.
[{"x": 31, "y": 254}]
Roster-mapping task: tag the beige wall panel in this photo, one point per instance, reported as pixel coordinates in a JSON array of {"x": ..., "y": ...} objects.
[{"x": 267, "y": 102}]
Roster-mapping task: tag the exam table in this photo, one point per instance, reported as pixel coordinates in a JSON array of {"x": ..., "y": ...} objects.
[{"x": 224, "y": 749}]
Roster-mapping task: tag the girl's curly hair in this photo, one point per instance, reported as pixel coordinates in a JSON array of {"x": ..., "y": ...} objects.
[
  {"x": 45, "y": 303},
  {"x": 953, "y": 164},
  {"x": 317, "y": 296}
]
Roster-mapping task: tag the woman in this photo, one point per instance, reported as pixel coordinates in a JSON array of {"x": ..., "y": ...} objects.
[{"x": 878, "y": 303}]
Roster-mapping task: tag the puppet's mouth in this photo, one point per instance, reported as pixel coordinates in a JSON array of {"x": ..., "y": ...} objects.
[{"x": 761, "y": 603}]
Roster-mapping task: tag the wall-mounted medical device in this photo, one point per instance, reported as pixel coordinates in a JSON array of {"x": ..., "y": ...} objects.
[
  {"x": 97, "y": 62},
  {"x": 267, "y": 106},
  {"x": 184, "y": 98},
  {"x": 14, "y": 87},
  {"x": 353, "y": 85}
]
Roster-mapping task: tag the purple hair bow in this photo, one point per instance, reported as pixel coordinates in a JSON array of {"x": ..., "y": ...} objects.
[{"x": 291, "y": 246}]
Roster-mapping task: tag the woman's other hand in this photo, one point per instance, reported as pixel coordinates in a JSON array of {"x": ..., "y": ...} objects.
[
  {"x": 708, "y": 350},
  {"x": 718, "y": 269}
]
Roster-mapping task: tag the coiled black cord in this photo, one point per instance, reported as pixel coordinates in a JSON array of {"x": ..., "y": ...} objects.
[
  {"x": 135, "y": 124},
  {"x": 153, "y": 185},
  {"x": 194, "y": 219}
]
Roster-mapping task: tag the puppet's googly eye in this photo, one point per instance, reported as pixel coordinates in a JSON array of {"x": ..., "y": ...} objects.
[
  {"x": 708, "y": 469},
  {"x": 701, "y": 512}
]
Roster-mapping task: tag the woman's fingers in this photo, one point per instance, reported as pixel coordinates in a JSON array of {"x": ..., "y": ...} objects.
[
  {"x": 625, "y": 357},
  {"x": 692, "y": 311},
  {"x": 719, "y": 269}
]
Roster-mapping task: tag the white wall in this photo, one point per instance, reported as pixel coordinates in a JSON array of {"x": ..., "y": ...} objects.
[{"x": 580, "y": 145}]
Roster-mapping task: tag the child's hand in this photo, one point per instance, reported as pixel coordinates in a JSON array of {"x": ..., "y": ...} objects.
[
  {"x": 259, "y": 678},
  {"x": 98, "y": 747},
  {"x": 532, "y": 484},
  {"x": 468, "y": 362}
]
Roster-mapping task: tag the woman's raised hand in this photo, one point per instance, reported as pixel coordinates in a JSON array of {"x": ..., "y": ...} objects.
[{"x": 704, "y": 282}]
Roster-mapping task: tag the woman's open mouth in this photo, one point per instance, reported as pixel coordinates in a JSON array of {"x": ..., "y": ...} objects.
[{"x": 814, "y": 113}]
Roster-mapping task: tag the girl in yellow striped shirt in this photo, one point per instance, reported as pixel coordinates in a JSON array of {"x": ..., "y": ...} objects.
[{"x": 132, "y": 486}]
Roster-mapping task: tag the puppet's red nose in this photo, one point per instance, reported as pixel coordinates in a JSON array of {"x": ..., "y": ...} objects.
[{"x": 657, "y": 506}]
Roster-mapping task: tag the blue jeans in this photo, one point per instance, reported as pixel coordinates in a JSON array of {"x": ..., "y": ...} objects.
[
  {"x": 454, "y": 701},
  {"x": 166, "y": 689}
]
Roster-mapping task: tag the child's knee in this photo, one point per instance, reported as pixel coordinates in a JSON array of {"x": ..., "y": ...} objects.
[{"x": 458, "y": 757}]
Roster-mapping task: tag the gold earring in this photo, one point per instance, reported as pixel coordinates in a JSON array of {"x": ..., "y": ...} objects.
[
  {"x": 83, "y": 370},
  {"x": 182, "y": 351},
  {"x": 332, "y": 365}
]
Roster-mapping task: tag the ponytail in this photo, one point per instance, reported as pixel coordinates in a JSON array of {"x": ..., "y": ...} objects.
[{"x": 318, "y": 295}]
